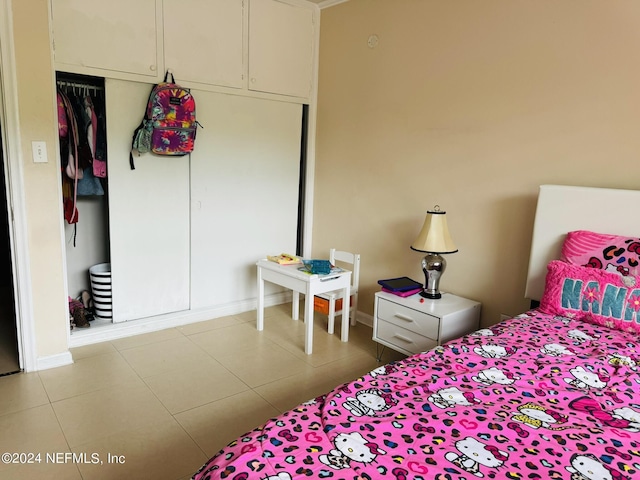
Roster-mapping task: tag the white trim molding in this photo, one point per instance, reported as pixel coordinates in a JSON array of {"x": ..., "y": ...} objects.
[
  {"x": 330, "y": 3},
  {"x": 107, "y": 331},
  {"x": 54, "y": 361},
  {"x": 364, "y": 319},
  {"x": 15, "y": 192}
]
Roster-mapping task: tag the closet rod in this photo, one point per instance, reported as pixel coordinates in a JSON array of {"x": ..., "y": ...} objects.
[{"x": 64, "y": 83}]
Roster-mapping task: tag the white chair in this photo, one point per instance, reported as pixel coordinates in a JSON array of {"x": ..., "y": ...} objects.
[{"x": 353, "y": 261}]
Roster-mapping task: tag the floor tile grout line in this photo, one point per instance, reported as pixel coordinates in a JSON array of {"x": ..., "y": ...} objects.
[
  {"x": 175, "y": 420},
  {"x": 146, "y": 385},
  {"x": 194, "y": 442},
  {"x": 44, "y": 387},
  {"x": 137, "y": 336},
  {"x": 144, "y": 380},
  {"x": 64, "y": 434},
  {"x": 219, "y": 363},
  {"x": 204, "y": 404}
]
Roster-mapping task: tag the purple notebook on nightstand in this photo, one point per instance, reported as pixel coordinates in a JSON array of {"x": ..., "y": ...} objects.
[
  {"x": 400, "y": 284},
  {"x": 408, "y": 293}
]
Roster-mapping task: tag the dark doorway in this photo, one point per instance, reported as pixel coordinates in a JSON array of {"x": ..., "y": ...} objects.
[
  {"x": 9, "y": 359},
  {"x": 303, "y": 179}
]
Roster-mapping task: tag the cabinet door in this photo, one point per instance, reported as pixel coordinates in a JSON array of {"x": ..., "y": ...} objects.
[
  {"x": 204, "y": 46},
  {"x": 244, "y": 184},
  {"x": 281, "y": 41},
  {"x": 148, "y": 215},
  {"x": 114, "y": 35}
]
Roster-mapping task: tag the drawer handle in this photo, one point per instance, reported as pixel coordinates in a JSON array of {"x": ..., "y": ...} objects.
[
  {"x": 325, "y": 279},
  {"x": 404, "y": 317},
  {"x": 403, "y": 338}
]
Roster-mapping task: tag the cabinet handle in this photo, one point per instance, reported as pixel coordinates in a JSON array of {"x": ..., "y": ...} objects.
[
  {"x": 403, "y": 338},
  {"x": 152, "y": 68},
  {"x": 403, "y": 317}
]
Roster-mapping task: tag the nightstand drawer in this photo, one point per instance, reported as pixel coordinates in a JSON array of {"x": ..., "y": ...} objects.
[
  {"x": 414, "y": 324},
  {"x": 404, "y": 339},
  {"x": 409, "y": 319}
]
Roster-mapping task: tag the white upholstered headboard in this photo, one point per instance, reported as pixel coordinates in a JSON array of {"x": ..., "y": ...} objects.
[{"x": 562, "y": 209}]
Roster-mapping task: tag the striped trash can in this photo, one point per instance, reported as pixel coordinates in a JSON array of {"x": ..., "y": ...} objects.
[{"x": 100, "y": 276}]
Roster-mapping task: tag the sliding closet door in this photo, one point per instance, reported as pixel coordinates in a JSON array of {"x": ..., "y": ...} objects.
[
  {"x": 244, "y": 184},
  {"x": 148, "y": 213}
]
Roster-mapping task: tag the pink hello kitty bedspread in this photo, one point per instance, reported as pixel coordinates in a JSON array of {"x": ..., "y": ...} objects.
[{"x": 535, "y": 397}]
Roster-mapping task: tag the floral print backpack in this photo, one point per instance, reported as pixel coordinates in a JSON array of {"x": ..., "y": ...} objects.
[{"x": 169, "y": 125}]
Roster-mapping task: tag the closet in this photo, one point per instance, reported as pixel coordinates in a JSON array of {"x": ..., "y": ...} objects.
[
  {"x": 182, "y": 234},
  {"x": 87, "y": 237}
]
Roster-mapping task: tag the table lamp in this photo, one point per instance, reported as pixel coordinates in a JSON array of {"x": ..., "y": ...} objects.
[{"x": 434, "y": 239}]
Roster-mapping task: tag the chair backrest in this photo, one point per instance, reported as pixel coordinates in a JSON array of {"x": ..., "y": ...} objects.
[{"x": 350, "y": 258}]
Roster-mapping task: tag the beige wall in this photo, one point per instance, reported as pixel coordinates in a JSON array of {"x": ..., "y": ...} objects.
[
  {"x": 42, "y": 195},
  {"x": 469, "y": 105}
]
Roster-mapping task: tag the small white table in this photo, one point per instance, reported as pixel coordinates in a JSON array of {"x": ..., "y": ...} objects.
[{"x": 300, "y": 282}]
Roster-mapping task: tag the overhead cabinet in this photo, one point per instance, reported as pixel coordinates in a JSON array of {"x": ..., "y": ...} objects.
[
  {"x": 281, "y": 40},
  {"x": 265, "y": 46},
  {"x": 205, "y": 46},
  {"x": 117, "y": 38}
]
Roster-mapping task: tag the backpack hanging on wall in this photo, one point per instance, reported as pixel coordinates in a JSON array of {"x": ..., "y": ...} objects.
[{"x": 169, "y": 124}]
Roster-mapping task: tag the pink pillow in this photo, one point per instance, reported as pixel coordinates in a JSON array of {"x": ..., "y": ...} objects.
[
  {"x": 592, "y": 295},
  {"x": 613, "y": 253}
]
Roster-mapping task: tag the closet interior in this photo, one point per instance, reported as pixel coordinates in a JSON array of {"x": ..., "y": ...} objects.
[{"x": 84, "y": 176}]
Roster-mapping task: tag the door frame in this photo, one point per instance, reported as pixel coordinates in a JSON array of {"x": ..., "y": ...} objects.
[{"x": 14, "y": 178}]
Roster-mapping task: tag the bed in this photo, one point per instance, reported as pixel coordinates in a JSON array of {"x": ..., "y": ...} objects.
[{"x": 553, "y": 393}]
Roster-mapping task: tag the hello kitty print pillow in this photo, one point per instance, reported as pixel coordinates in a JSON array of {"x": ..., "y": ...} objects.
[
  {"x": 613, "y": 253},
  {"x": 592, "y": 295}
]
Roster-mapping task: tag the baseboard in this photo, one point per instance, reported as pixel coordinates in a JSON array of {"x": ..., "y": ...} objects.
[
  {"x": 102, "y": 332},
  {"x": 112, "y": 331},
  {"x": 364, "y": 319},
  {"x": 53, "y": 361}
]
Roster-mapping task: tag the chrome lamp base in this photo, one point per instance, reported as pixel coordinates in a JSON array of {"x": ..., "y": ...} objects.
[{"x": 433, "y": 266}]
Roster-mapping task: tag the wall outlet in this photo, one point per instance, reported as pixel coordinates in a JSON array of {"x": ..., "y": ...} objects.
[{"x": 39, "y": 152}]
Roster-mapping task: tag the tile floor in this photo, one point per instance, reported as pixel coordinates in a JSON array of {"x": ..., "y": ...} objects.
[{"x": 158, "y": 405}]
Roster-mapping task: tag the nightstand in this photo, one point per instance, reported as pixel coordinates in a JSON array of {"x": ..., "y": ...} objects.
[{"x": 410, "y": 326}]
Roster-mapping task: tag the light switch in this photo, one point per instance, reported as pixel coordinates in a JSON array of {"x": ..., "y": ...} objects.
[{"x": 39, "y": 150}]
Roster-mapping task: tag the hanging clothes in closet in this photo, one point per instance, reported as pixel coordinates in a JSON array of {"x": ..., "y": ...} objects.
[{"x": 83, "y": 145}]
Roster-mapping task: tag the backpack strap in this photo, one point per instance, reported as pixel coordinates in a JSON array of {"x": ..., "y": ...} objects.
[
  {"x": 135, "y": 132},
  {"x": 166, "y": 77},
  {"x": 142, "y": 124}
]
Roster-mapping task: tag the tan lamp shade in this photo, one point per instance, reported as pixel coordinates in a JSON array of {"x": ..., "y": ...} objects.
[{"x": 434, "y": 236}]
